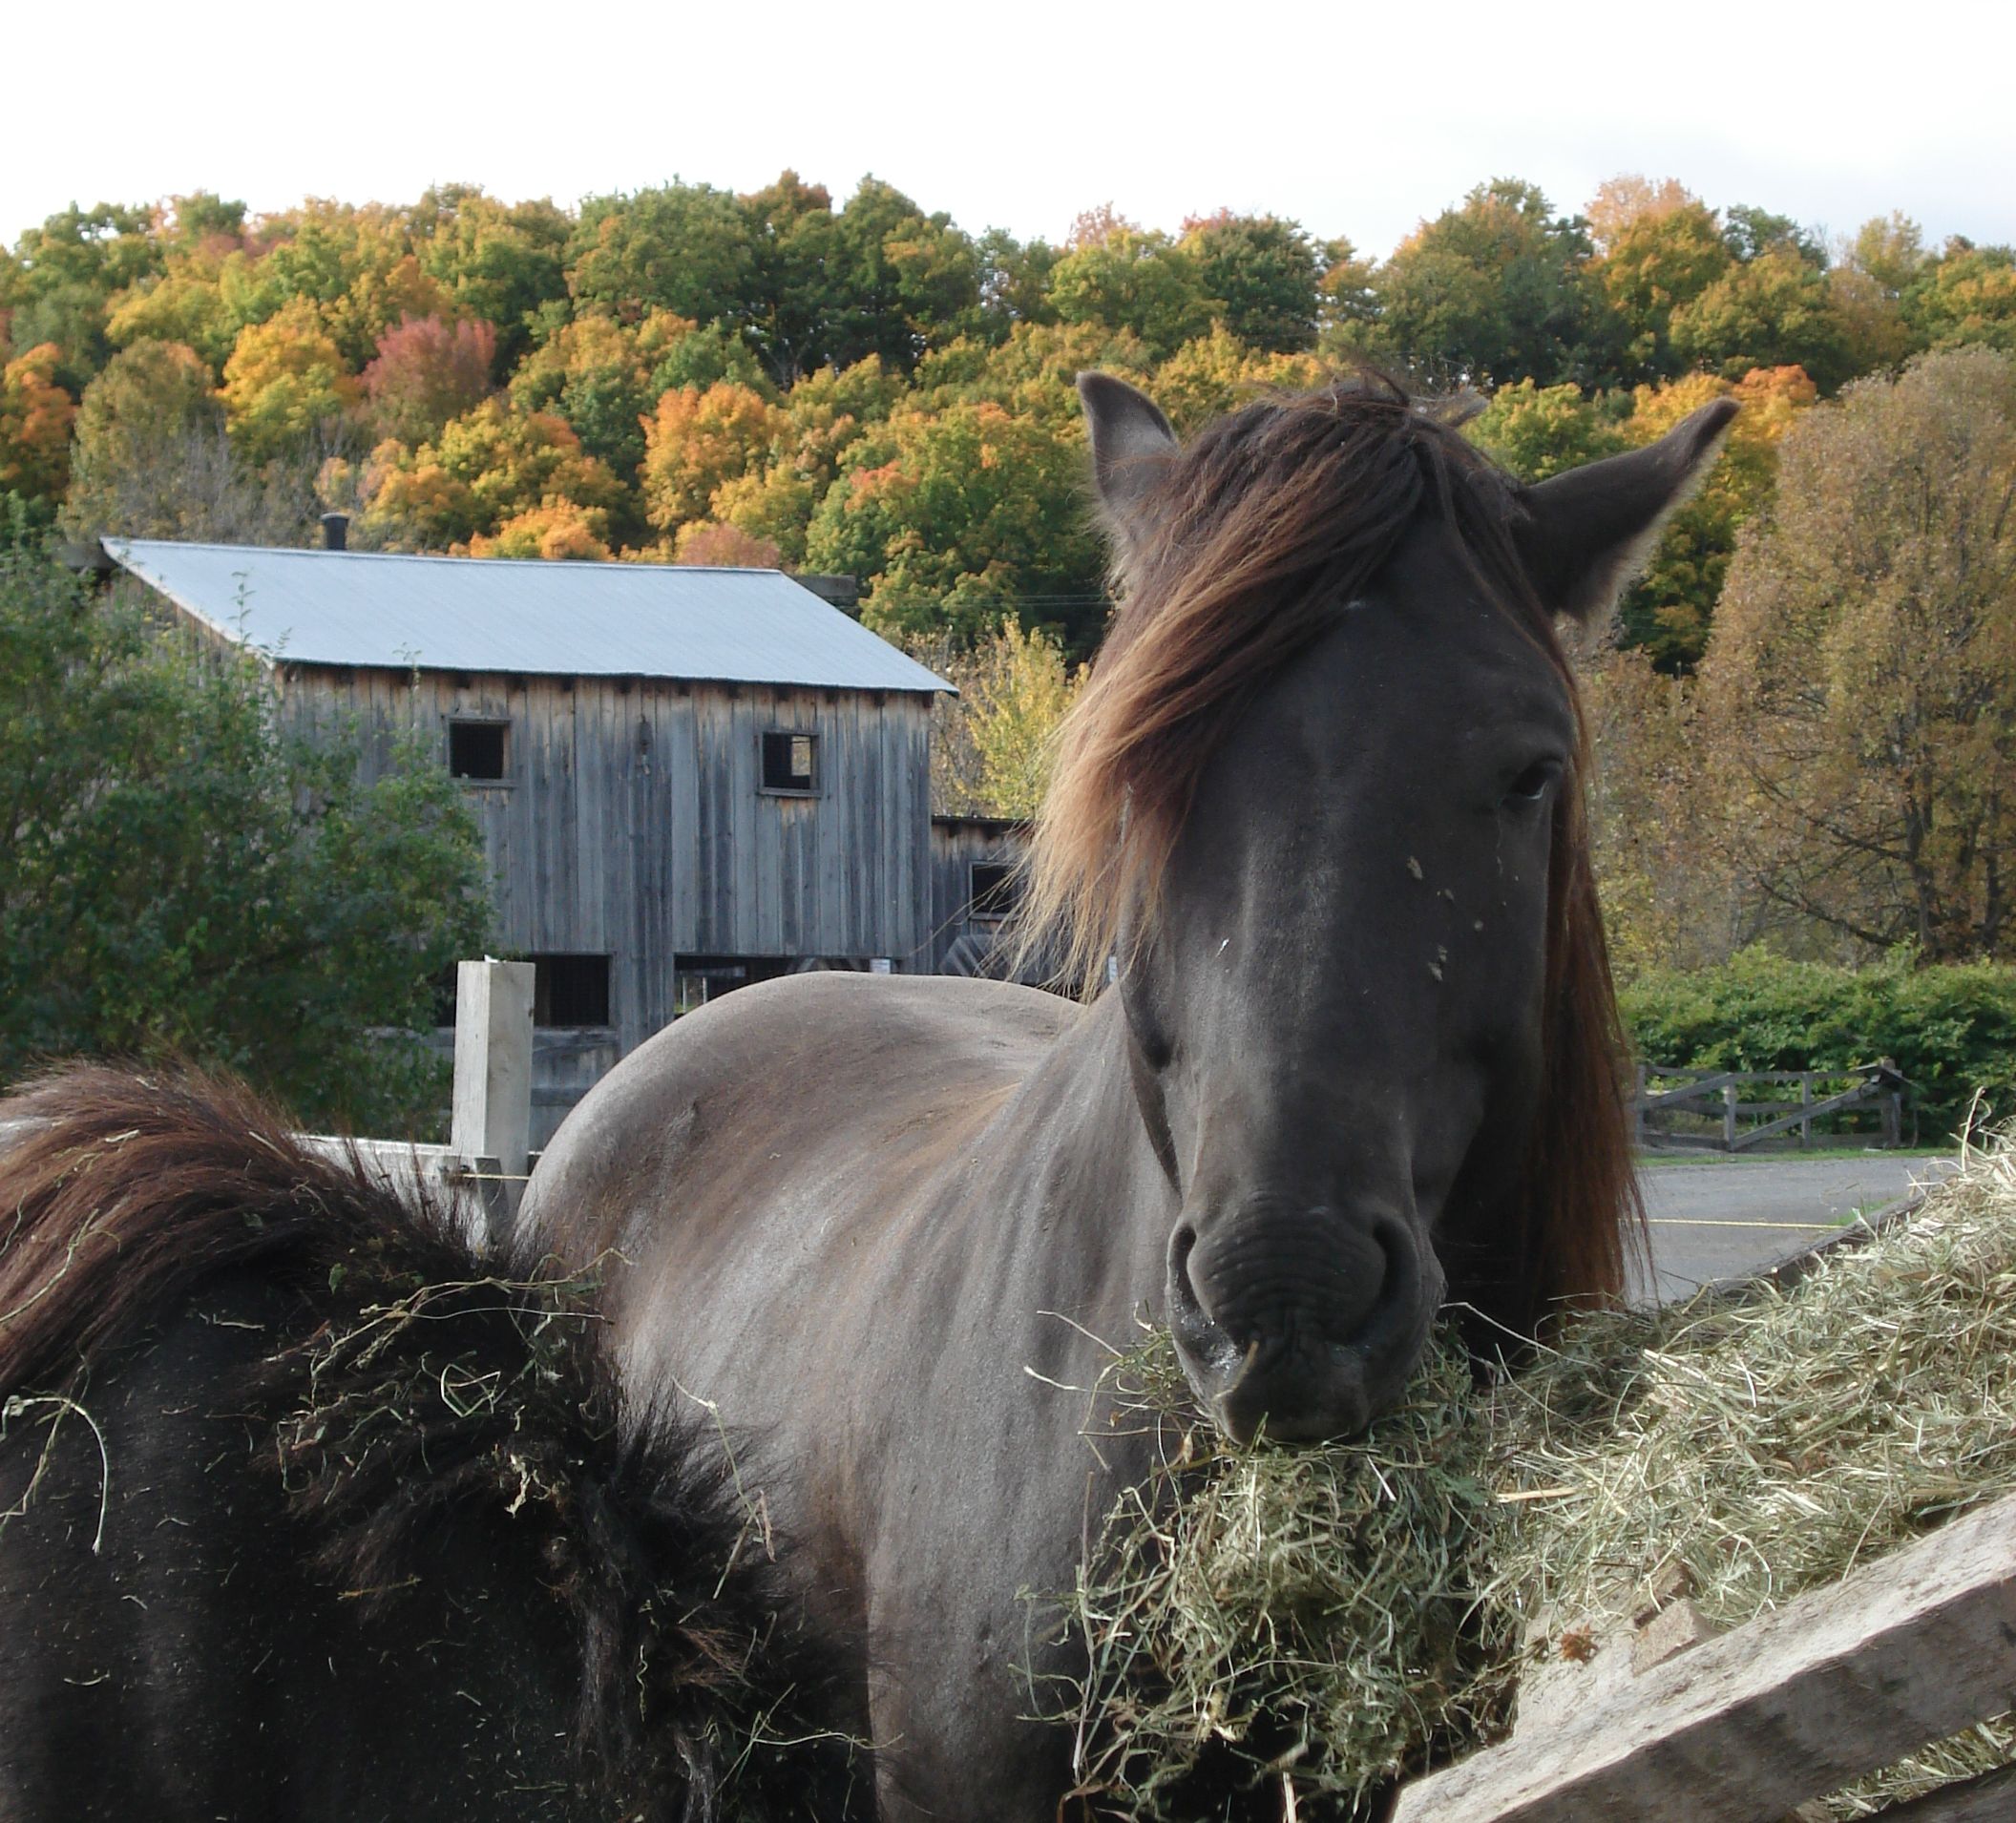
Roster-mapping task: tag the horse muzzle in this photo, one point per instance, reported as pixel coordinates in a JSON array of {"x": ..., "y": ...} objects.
[{"x": 1307, "y": 1329}]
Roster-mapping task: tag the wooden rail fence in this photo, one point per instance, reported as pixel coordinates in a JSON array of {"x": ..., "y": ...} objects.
[{"x": 1719, "y": 1093}]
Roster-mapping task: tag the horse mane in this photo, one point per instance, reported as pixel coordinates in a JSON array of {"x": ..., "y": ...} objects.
[
  {"x": 406, "y": 1391},
  {"x": 1257, "y": 535}
]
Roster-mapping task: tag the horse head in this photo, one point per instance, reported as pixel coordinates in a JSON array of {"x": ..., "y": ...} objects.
[{"x": 1318, "y": 817}]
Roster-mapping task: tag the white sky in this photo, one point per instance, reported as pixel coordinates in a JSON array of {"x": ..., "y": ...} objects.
[{"x": 1352, "y": 118}]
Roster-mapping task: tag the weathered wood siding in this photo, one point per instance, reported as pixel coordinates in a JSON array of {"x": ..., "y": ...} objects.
[
  {"x": 956, "y": 843},
  {"x": 631, "y": 821}
]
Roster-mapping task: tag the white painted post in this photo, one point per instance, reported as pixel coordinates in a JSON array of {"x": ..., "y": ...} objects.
[{"x": 492, "y": 1123}]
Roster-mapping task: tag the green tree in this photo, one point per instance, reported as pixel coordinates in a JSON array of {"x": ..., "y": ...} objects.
[
  {"x": 683, "y": 248},
  {"x": 1496, "y": 290},
  {"x": 903, "y": 281},
  {"x": 500, "y": 262},
  {"x": 1966, "y": 295},
  {"x": 151, "y": 395},
  {"x": 962, "y": 519},
  {"x": 992, "y": 744},
  {"x": 1862, "y": 676},
  {"x": 1774, "y": 310},
  {"x": 63, "y": 275},
  {"x": 1143, "y": 284},
  {"x": 181, "y": 879},
  {"x": 1537, "y": 432},
  {"x": 1266, "y": 273}
]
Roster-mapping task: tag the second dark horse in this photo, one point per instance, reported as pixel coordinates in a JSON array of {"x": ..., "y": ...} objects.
[{"x": 1318, "y": 818}]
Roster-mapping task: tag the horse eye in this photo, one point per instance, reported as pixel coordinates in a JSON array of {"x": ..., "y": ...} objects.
[{"x": 1532, "y": 784}]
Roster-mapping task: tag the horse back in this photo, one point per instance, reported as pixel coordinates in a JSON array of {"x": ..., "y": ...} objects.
[{"x": 812, "y": 1104}]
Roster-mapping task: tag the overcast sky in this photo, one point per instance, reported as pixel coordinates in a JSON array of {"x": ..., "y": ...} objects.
[{"x": 1353, "y": 120}]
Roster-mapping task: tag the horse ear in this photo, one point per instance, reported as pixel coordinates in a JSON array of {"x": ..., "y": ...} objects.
[
  {"x": 1131, "y": 445},
  {"x": 1588, "y": 531}
]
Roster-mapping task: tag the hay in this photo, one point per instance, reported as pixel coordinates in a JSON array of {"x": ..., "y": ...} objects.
[
  {"x": 1262, "y": 1620},
  {"x": 1335, "y": 1617},
  {"x": 1770, "y": 1445}
]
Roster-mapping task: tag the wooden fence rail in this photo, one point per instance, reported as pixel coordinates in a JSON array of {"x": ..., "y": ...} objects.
[
  {"x": 1745, "y": 1726},
  {"x": 1712, "y": 1093}
]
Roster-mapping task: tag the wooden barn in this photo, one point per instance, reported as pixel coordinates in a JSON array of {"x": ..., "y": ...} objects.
[{"x": 687, "y": 779}]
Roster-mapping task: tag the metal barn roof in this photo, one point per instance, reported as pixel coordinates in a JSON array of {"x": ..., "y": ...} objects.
[{"x": 494, "y": 614}]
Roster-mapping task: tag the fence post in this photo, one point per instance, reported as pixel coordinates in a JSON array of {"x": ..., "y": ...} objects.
[
  {"x": 1729, "y": 1093},
  {"x": 1806, "y": 1102},
  {"x": 492, "y": 1124}
]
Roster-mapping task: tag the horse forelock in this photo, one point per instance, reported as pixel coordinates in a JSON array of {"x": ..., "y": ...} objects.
[{"x": 1267, "y": 526}]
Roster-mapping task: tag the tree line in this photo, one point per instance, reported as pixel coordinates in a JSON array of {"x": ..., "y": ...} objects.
[{"x": 687, "y": 374}]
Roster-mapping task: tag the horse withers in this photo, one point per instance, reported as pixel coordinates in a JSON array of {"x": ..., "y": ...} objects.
[{"x": 1318, "y": 817}]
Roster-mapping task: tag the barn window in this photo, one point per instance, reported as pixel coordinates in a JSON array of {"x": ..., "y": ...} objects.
[
  {"x": 790, "y": 762},
  {"x": 570, "y": 990},
  {"x": 993, "y": 890},
  {"x": 475, "y": 750}
]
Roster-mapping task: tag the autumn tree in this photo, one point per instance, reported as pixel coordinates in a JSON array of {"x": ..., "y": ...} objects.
[
  {"x": 699, "y": 439},
  {"x": 486, "y": 468},
  {"x": 425, "y": 372},
  {"x": 285, "y": 382},
  {"x": 991, "y": 744},
  {"x": 1966, "y": 295},
  {"x": 35, "y": 415},
  {"x": 152, "y": 397},
  {"x": 1860, "y": 682},
  {"x": 1668, "y": 610}
]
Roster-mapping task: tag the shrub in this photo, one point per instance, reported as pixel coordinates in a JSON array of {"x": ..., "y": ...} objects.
[{"x": 1950, "y": 1029}]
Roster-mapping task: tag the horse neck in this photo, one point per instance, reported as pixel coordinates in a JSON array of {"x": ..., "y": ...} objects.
[{"x": 1093, "y": 1207}]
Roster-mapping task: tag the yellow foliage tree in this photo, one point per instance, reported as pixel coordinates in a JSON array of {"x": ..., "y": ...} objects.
[
  {"x": 35, "y": 415},
  {"x": 992, "y": 745},
  {"x": 558, "y": 531},
  {"x": 700, "y": 438},
  {"x": 284, "y": 381}
]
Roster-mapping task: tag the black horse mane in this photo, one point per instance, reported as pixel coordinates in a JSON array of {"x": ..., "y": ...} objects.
[{"x": 408, "y": 1388}]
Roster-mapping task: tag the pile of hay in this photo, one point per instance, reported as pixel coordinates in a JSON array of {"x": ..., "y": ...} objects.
[
  {"x": 1264, "y": 1619},
  {"x": 1270, "y": 1626}
]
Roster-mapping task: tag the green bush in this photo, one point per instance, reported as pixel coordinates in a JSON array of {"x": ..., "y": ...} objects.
[
  {"x": 179, "y": 878},
  {"x": 1950, "y": 1029}
]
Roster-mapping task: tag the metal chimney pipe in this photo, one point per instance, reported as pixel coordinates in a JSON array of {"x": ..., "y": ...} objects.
[{"x": 335, "y": 530}]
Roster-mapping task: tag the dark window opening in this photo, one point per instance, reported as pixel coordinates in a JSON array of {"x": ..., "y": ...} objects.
[
  {"x": 789, "y": 762},
  {"x": 570, "y": 990},
  {"x": 476, "y": 749},
  {"x": 994, "y": 889}
]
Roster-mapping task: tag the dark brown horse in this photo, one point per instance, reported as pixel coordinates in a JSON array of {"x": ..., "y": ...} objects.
[
  {"x": 305, "y": 1514},
  {"x": 1318, "y": 817}
]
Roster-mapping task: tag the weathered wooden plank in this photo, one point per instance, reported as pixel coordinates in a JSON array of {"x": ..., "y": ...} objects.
[
  {"x": 1796, "y": 1704},
  {"x": 1991, "y": 1798}
]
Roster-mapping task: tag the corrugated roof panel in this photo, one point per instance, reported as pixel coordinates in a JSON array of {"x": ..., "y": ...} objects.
[{"x": 491, "y": 613}]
